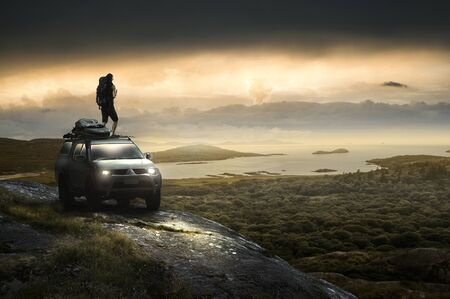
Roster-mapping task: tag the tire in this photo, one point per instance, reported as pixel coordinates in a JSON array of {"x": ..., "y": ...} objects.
[
  {"x": 65, "y": 196},
  {"x": 153, "y": 200},
  {"x": 93, "y": 198},
  {"x": 123, "y": 202}
]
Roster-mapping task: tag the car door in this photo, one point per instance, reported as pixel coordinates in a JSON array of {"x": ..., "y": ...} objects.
[{"x": 79, "y": 167}]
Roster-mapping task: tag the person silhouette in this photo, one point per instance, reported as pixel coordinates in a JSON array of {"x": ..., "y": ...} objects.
[{"x": 106, "y": 93}]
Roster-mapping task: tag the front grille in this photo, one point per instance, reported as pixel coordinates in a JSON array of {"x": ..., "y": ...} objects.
[
  {"x": 120, "y": 185},
  {"x": 119, "y": 171},
  {"x": 140, "y": 171}
]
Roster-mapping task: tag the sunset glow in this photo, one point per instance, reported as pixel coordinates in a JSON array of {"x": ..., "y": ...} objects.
[{"x": 209, "y": 79}]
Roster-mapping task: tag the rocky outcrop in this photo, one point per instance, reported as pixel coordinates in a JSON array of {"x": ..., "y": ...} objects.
[{"x": 213, "y": 260}]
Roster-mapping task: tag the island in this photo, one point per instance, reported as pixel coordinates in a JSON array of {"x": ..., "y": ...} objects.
[
  {"x": 200, "y": 152},
  {"x": 324, "y": 170},
  {"x": 336, "y": 151},
  {"x": 261, "y": 172},
  {"x": 194, "y": 162}
]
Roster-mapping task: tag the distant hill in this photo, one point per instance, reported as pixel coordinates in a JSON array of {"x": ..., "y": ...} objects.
[
  {"x": 409, "y": 159},
  {"x": 23, "y": 156},
  {"x": 199, "y": 152},
  {"x": 39, "y": 154},
  {"x": 336, "y": 151}
]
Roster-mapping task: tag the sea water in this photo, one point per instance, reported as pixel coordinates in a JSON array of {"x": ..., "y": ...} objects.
[{"x": 298, "y": 160}]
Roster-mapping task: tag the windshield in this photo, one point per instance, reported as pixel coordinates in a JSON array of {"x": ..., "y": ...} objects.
[{"x": 113, "y": 151}]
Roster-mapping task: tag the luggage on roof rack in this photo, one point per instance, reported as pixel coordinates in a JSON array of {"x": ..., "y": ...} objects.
[{"x": 88, "y": 128}]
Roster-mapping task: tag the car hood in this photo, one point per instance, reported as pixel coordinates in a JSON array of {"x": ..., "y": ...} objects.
[{"x": 124, "y": 163}]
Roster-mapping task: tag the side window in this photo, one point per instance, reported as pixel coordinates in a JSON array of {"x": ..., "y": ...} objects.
[
  {"x": 79, "y": 150},
  {"x": 65, "y": 148}
]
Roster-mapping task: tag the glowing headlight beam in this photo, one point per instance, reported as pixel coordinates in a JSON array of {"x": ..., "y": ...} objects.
[
  {"x": 152, "y": 171},
  {"x": 106, "y": 172}
]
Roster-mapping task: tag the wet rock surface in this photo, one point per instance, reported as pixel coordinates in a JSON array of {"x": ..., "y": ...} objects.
[
  {"x": 16, "y": 237},
  {"x": 33, "y": 190},
  {"x": 213, "y": 260}
]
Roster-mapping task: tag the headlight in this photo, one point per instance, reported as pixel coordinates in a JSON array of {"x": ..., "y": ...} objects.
[
  {"x": 152, "y": 171},
  {"x": 106, "y": 172}
]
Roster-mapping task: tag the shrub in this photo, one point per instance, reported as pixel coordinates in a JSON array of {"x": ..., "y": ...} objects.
[
  {"x": 405, "y": 240},
  {"x": 385, "y": 248},
  {"x": 380, "y": 240},
  {"x": 342, "y": 235}
]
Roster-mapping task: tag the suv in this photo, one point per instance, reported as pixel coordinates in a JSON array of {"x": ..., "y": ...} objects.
[{"x": 101, "y": 169}]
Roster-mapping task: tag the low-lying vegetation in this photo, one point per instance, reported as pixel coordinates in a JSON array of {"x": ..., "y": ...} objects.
[
  {"x": 84, "y": 260},
  {"x": 360, "y": 231},
  {"x": 352, "y": 224}
]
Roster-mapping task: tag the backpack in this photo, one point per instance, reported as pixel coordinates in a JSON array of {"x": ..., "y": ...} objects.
[{"x": 101, "y": 92}]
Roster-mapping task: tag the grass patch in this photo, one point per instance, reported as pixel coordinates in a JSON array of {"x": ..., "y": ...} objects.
[
  {"x": 86, "y": 260},
  {"x": 45, "y": 216}
]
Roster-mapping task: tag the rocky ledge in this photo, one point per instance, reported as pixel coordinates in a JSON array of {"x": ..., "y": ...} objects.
[{"x": 213, "y": 260}]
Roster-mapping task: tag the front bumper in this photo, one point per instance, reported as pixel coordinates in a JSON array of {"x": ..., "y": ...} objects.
[{"x": 128, "y": 185}]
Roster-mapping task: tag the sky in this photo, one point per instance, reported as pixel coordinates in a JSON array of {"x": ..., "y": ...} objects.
[{"x": 185, "y": 57}]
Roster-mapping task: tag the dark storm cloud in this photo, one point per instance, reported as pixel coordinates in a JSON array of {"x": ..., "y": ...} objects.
[
  {"x": 394, "y": 84},
  {"x": 71, "y": 28}
]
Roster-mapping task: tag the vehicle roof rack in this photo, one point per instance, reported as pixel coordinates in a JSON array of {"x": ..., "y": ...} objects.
[
  {"x": 71, "y": 136},
  {"x": 120, "y": 136}
]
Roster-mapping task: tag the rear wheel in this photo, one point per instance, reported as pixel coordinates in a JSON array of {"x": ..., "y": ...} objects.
[
  {"x": 65, "y": 196},
  {"x": 92, "y": 196},
  {"x": 153, "y": 200}
]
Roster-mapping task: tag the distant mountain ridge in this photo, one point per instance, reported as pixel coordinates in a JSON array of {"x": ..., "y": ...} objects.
[
  {"x": 305, "y": 114},
  {"x": 298, "y": 115}
]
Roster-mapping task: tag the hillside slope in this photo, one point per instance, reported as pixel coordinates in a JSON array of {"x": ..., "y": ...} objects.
[
  {"x": 406, "y": 160},
  {"x": 23, "y": 156},
  {"x": 208, "y": 258}
]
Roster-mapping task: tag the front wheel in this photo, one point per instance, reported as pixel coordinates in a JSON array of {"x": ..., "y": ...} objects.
[
  {"x": 65, "y": 196},
  {"x": 153, "y": 200},
  {"x": 92, "y": 196}
]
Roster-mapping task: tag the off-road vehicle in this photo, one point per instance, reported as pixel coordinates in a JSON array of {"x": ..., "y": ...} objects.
[{"x": 106, "y": 168}]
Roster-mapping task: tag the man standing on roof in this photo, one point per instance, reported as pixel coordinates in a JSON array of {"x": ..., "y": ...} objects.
[{"x": 106, "y": 93}]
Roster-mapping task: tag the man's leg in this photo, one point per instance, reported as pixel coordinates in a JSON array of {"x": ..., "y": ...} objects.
[
  {"x": 114, "y": 126},
  {"x": 114, "y": 118},
  {"x": 104, "y": 115}
]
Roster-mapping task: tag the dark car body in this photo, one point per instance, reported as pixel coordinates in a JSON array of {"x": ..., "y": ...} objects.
[{"x": 107, "y": 168}]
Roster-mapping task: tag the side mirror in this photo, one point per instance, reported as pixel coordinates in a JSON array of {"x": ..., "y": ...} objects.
[
  {"x": 148, "y": 155},
  {"x": 80, "y": 158}
]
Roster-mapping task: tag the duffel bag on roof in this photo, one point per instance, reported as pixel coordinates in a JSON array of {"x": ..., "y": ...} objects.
[{"x": 88, "y": 128}]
